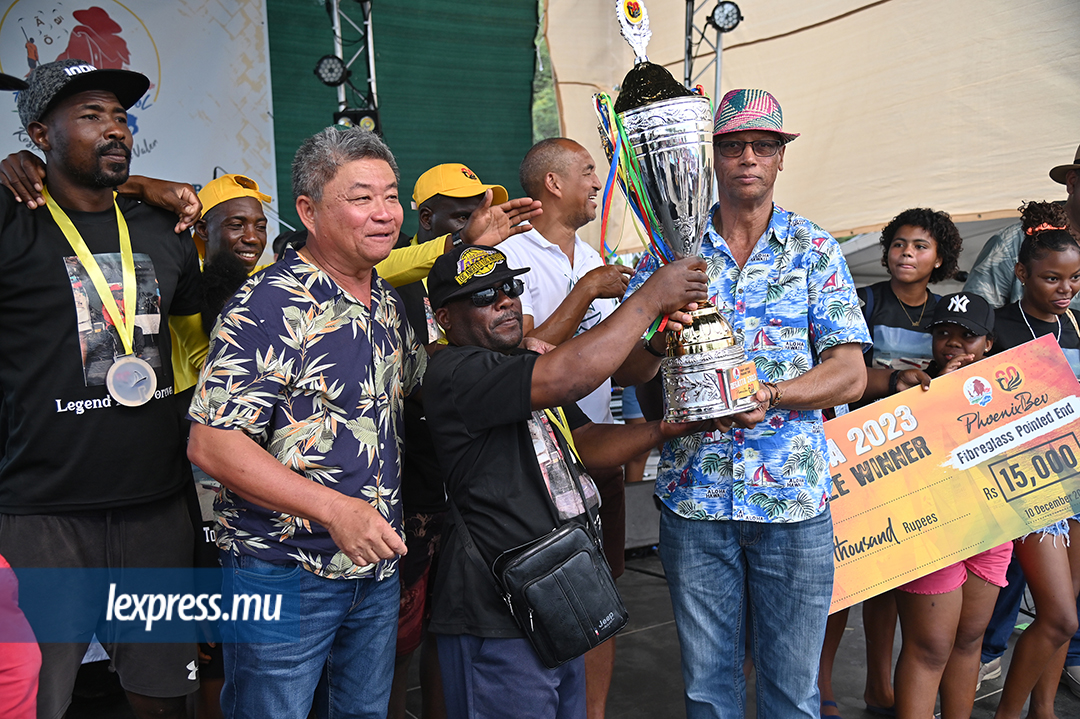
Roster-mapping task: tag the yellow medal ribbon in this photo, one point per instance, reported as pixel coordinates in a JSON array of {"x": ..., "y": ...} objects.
[
  {"x": 563, "y": 425},
  {"x": 124, "y": 321}
]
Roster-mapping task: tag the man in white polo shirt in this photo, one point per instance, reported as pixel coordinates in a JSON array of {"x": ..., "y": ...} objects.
[{"x": 568, "y": 290}]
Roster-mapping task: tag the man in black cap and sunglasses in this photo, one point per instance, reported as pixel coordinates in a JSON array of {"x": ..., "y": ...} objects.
[{"x": 505, "y": 472}]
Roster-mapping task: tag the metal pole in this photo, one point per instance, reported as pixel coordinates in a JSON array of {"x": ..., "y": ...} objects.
[
  {"x": 688, "y": 50},
  {"x": 336, "y": 25},
  {"x": 373, "y": 91},
  {"x": 719, "y": 54}
]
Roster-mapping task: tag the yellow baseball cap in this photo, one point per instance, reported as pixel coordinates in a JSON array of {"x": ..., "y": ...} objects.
[
  {"x": 229, "y": 187},
  {"x": 454, "y": 180}
]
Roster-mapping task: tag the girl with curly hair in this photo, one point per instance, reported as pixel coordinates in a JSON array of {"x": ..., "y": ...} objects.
[{"x": 920, "y": 246}]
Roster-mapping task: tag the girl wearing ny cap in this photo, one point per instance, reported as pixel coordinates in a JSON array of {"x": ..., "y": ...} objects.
[
  {"x": 1049, "y": 270},
  {"x": 944, "y": 614}
]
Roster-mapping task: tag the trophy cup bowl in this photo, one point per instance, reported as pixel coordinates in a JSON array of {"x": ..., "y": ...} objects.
[{"x": 705, "y": 372}]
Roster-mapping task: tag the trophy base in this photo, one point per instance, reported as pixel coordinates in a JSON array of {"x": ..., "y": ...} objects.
[
  {"x": 706, "y": 374},
  {"x": 707, "y": 385}
]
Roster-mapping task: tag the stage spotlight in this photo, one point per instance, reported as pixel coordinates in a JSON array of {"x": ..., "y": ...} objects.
[
  {"x": 725, "y": 17},
  {"x": 364, "y": 119},
  {"x": 331, "y": 70}
]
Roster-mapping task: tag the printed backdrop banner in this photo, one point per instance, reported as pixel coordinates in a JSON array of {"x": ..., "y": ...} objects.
[
  {"x": 924, "y": 479},
  {"x": 209, "y": 103}
]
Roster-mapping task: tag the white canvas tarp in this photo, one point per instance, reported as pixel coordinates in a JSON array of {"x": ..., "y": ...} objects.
[{"x": 961, "y": 105}]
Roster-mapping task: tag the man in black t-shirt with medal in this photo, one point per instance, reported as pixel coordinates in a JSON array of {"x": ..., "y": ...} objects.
[
  {"x": 92, "y": 466},
  {"x": 485, "y": 401}
]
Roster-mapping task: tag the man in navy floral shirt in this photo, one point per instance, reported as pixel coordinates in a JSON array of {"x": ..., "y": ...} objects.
[
  {"x": 745, "y": 523},
  {"x": 298, "y": 414}
]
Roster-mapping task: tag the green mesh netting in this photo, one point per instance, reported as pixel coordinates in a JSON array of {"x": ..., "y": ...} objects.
[{"x": 454, "y": 80}]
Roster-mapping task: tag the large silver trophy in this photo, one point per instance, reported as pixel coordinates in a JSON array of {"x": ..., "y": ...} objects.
[{"x": 668, "y": 129}]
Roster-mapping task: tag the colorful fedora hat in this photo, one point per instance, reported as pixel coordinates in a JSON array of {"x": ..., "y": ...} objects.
[{"x": 750, "y": 110}]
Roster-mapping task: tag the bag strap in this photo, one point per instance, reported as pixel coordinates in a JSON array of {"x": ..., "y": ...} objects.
[
  {"x": 471, "y": 550},
  {"x": 558, "y": 419},
  {"x": 570, "y": 454}
]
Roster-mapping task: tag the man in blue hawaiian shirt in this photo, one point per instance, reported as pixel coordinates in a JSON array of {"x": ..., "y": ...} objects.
[
  {"x": 298, "y": 414},
  {"x": 745, "y": 524}
]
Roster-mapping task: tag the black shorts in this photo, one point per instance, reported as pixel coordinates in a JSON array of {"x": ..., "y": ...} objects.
[{"x": 157, "y": 534}]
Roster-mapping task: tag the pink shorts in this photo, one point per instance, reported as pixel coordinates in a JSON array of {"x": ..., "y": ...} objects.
[{"x": 989, "y": 566}]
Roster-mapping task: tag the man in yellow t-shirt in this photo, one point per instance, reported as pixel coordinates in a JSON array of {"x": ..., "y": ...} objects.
[{"x": 230, "y": 236}]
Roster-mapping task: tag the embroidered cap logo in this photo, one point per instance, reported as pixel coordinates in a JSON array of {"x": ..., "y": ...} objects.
[
  {"x": 477, "y": 262},
  {"x": 78, "y": 70},
  {"x": 959, "y": 303}
]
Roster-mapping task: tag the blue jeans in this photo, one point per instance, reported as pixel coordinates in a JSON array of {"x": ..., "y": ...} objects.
[
  {"x": 783, "y": 573},
  {"x": 333, "y": 644}
]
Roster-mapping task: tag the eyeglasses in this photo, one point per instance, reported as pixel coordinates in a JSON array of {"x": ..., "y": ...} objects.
[
  {"x": 510, "y": 288},
  {"x": 734, "y": 148}
]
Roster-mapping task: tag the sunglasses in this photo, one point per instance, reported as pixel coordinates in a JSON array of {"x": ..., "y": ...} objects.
[
  {"x": 734, "y": 148},
  {"x": 510, "y": 288}
]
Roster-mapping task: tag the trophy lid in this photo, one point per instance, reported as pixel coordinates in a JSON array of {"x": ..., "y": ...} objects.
[{"x": 646, "y": 82}]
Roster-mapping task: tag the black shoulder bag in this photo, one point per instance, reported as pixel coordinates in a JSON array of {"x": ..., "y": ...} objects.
[{"x": 559, "y": 587}]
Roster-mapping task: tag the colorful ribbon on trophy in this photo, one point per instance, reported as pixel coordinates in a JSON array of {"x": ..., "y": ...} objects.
[
  {"x": 627, "y": 172},
  {"x": 609, "y": 184}
]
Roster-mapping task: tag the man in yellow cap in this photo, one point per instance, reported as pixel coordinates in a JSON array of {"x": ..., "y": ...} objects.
[
  {"x": 230, "y": 236},
  {"x": 445, "y": 197},
  {"x": 232, "y": 220}
]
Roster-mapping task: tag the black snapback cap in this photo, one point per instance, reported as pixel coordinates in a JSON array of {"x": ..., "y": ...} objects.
[
  {"x": 51, "y": 82},
  {"x": 966, "y": 309},
  {"x": 466, "y": 269}
]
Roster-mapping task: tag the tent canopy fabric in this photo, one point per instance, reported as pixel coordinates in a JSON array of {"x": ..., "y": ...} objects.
[{"x": 961, "y": 106}]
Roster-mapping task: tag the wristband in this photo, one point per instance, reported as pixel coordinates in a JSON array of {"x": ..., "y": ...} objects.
[
  {"x": 775, "y": 394},
  {"x": 893, "y": 379},
  {"x": 455, "y": 239},
  {"x": 647, "y": 344}
]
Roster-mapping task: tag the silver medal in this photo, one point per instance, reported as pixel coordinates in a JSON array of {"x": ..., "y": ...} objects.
[{"x": 131, "y": 381}]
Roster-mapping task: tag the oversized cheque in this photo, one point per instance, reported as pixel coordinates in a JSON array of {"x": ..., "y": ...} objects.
[{"x": 924, "y": 479}]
